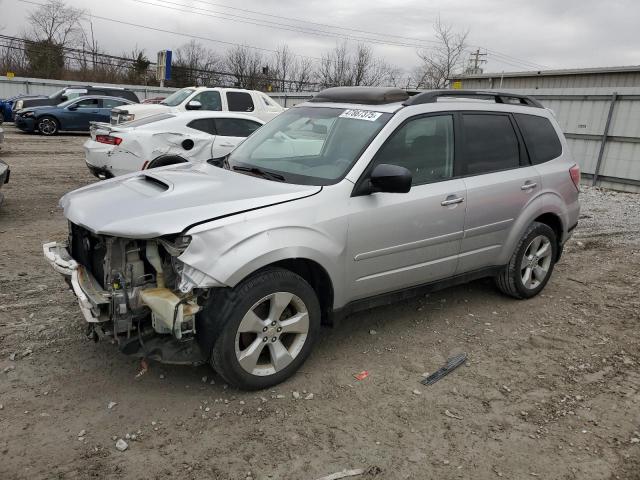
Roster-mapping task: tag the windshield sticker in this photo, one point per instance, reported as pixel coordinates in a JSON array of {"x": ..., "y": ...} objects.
[{"x": 361, "y": 115}]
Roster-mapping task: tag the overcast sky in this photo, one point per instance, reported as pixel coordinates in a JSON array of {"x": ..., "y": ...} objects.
[{"x": 517, "y": 34}]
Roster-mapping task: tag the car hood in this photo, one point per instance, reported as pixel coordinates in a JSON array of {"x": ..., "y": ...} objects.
[{"x": 168, "y": 200}]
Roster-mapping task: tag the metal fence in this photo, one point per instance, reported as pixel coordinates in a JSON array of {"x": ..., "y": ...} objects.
[{"x": 38, "y": 86}]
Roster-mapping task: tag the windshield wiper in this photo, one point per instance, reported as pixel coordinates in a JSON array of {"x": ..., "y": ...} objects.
[{"x": 261, "y": 173}]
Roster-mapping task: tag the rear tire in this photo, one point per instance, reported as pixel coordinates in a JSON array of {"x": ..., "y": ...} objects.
[
  {"x": 531, "y": 264},
  {"x": 260, "y": 332},
  {"x": 48, "y": 126}
]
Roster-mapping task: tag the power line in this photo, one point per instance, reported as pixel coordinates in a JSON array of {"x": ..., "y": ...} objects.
[{"x": 413, "y": 39}]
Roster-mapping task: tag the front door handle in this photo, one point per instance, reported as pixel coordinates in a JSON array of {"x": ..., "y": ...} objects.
[
  {"x": 451, "y": 201},
  {"x": 227, "y": 145},
  {"x": 528, "y": 186}
]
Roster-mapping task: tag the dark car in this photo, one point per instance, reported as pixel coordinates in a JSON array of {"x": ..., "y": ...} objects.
[
  {"x": 4, "y": 176},
  {"x": 6, "y": 107},
  {"x": 75, "y": 114},
  {"x": 69, "y": 93}
]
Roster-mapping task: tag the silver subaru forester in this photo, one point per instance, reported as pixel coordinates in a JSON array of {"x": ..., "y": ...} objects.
[{"x": 358, "y": 196}]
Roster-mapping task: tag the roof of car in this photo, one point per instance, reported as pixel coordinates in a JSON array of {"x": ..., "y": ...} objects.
[
  {"x": 391, "y": 98},
  {"x": 106, "y": 97}
]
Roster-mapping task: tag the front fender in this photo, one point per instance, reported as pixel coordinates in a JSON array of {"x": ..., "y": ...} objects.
[{"x": 228, "y": 256}]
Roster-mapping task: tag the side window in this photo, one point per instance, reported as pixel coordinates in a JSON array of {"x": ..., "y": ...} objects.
[
  {"x": 490, "y": 143},
  {"x": 111, "y": 103},
  {"x": 240, "y": 102},
  {"x": 210, "y": 101},
  {"x": 88, "y": 103},
  {"x": 205, "y": 125},
  {"x": 235, "y": 127},
  {"x": 540, "y": 137},
  {"x": 424, "y": 146}
]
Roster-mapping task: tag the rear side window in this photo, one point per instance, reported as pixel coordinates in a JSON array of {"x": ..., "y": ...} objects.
[
  {"x": 490, "y": 143},
  {"x": 240, "y": 102},
  {"x": 540, "y": 137},
  {"x": 205, "y": 125},
  {"x": 235, "y": 127}
]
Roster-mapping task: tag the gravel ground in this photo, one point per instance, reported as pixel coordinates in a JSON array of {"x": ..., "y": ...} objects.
[{"x": 551, "y": 388}]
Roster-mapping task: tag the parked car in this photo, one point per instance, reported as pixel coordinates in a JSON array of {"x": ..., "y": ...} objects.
[
  {"x": 237, "y": 263},
  {"x": 4, "y": 176},
  {"x": 71, "y": 92},
  {"x": 74, "y": 114},
  {"x": 6, "y": 107},
  {"x": 252, "y": 102},
  {"x": 153, "y": 100},
  {"x": 165, "y": 139}
]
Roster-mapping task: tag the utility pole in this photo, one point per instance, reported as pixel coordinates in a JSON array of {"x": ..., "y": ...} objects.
[{"x": 476, "y": 61}]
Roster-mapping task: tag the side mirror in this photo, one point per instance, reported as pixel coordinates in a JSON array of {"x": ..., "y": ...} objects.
[
  {"x": 390, "y": 179},
  {"x": 72, "y": 108},
  {"x": 194, "y": 105}
]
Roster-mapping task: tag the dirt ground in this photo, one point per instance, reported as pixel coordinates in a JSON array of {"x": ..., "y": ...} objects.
[{"x": 550, "y": 391}]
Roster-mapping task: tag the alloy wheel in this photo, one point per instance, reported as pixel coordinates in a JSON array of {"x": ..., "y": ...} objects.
[
  {"x": 272, "y": 333},
  {"x": 536, "y": 262},
  {"x": 47, "y": 126}
]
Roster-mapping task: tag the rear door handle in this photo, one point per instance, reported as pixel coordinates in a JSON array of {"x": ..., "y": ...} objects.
[
  {"x": 528, "y": 186},
  {"x": 451, "y": 201}
]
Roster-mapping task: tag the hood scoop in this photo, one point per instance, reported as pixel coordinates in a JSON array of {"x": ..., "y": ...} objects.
[{"x": 156, "y": 182}]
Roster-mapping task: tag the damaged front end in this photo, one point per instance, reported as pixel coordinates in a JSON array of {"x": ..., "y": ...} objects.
[{"x": 130, "y": 291}]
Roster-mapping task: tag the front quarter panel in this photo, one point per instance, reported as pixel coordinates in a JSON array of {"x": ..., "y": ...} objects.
[{"x": 313, "y": 228}]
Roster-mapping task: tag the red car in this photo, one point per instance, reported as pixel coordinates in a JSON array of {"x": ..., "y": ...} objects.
[{"x": 153, "y": 100}]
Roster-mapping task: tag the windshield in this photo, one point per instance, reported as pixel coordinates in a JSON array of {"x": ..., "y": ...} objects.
[
  {"x": 310, "y": 145},
  {"x": 57, "y": 94},
  {"x": 176, "y": 98}
]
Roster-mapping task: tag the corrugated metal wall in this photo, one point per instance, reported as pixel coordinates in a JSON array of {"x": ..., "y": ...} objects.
[
  {"x": 39, "y": 86},
  {"x": 585, "y": 80}
]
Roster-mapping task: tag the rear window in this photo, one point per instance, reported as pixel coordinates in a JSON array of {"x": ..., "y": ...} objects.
[
  {"x": 490, "y": 144},
  {"x": 240, "y": 102},
  {"x": 205, "y": 125},
  {"x": 540, "y": 137},
  {"x": 235, "y": 127},
  {"x": 151, "y": 119}
]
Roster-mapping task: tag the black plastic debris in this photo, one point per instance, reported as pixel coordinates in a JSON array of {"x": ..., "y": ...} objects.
[{"x": 452, "y": 363}]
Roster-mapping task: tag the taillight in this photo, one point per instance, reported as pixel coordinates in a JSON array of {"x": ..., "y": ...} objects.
[
  {"x": 108, "y": 139},
  {"x": 575, "y": 176}
]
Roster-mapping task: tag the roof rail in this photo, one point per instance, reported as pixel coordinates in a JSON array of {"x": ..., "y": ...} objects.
[
  {"x": 361, "y": 95},
  {"x": 432, "y": 96}
]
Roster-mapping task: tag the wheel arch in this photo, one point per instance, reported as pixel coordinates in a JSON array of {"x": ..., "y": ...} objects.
[
  {"x": 165, "y": 160},
  {"x": 316, "y": 276}
]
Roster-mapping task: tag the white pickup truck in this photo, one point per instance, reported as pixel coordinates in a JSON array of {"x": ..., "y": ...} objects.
[{"x": 252, "y": 102}]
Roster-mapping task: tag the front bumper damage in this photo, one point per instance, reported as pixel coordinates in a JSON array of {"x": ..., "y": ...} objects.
[{"x": 164, "y": 325}]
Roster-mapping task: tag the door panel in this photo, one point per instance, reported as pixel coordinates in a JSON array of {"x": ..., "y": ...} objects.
[
  {"x": 494, "y": 202},
  {"x": 499, "y": 182},
  {"x": 400, "y": 240}
]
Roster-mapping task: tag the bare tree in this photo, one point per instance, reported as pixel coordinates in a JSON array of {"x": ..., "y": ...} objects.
[
  {"x": 245, "y": 65},
  {"x": 194, "y": 64},
  {"x": 442, "y": 61},
  {"x": 340, "y": 67},
  {"x": 55, "y": 23},
  {"x": 303, "y": 75}
]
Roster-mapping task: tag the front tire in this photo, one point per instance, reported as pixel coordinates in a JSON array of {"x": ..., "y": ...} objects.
[
  {"x": 48, "y": 126},
  {"x": 531, "y": 264},
  {"x": 260, "y": 332}
]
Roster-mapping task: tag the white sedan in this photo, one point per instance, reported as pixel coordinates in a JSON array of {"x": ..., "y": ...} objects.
[{"x": 165, "y": 139}]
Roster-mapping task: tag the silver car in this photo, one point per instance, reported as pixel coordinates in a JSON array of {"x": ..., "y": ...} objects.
[{"x": 359, "y": 196}]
